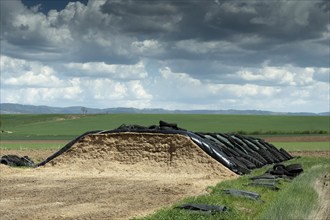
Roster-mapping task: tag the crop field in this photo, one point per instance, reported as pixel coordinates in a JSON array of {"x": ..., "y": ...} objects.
[
  {"x": 66, "y": 127},
  {"x": 53, "y": 131},
  {"x": 80, "y": 188}
]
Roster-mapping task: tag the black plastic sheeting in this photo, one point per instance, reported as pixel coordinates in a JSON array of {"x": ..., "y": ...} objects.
[
  {"x": 202, "y": 208},
  {"x": 16, "y": 161},
  {"x": 239, "y": 153}
]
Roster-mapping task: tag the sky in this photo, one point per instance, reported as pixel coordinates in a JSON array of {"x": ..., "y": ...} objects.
[{"x": 171, "y": 54}]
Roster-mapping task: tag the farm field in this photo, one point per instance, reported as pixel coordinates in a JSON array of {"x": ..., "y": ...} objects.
[
  {"x": 53, "y": 131},
  {"x": 81, "y": 189},
  {"x": 67, "y": 127}
]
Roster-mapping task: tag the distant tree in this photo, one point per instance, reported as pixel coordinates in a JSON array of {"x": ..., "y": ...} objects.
[{"x": 84, "y": 110}]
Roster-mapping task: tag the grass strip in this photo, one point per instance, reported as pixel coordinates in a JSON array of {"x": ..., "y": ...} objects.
[
  {"x": 303, "y": 198},
  {"x": 27, "y": 146},
  {"x": 298, "y": 199}
]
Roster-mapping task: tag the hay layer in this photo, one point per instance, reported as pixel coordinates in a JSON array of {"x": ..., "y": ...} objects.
[{"x": 168, "y": 152}]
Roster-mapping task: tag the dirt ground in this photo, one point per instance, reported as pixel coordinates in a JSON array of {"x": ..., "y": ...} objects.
[
  {"x": 322, "y": 187},
  {"x": 109, "y": 177},
  {"x": 318, "y": 138},
  {"x": 112, "y": 177},
  {"x": 325, "y": 154}
]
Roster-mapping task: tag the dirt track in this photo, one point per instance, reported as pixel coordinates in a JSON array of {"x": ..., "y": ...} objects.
[
  {"x": 318, "y": 138},
  {"x": 96, "y": 182},
  {"x": 57, "y": 193}
]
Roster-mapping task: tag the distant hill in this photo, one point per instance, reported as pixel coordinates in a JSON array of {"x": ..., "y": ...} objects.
[{"x": 10, "y": 108}]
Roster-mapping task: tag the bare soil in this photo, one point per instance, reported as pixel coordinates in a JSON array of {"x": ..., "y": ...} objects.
[
  {"x": 325, "y": 154},
  {"x": 322, "y": 187},
  {"x": 113, "y": 176}
]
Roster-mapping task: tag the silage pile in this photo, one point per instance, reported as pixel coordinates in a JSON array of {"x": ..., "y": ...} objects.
[
  {"x": 167, "y": 147},
  {"x": 150, "y": 152}
]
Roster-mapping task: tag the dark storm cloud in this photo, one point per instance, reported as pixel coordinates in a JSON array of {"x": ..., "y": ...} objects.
[
  {"x": 143, "y": 17},
  {"x": 250, "y": 32},
  {"x": 278, "y": 32},
  {"x": 206, "y": 20}
]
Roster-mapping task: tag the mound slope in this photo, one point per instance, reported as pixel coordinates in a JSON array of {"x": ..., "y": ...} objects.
[{"x": 149, "y": 152}]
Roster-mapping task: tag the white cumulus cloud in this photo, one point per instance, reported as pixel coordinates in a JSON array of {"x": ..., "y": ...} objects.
[{"x": 95, "y": 69}]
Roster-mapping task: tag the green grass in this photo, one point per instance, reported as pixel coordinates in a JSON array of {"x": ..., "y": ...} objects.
[
  {"x": 67, "y": 127},
  {"x": 25, "y": 146},
  {"x": 294, "y": 200},
  {"x": 57, "y": 127},
  {"x": 302, "y": 197},
  {"x": 303, "y": 146}
]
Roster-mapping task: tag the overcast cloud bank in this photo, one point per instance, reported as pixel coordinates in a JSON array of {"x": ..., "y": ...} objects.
[{"x": 168, "y": 54}]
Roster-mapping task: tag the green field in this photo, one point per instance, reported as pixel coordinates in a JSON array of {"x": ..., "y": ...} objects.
[
  {"x": 12, "y": 145},
  {"x": 66, "y": 127}
]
